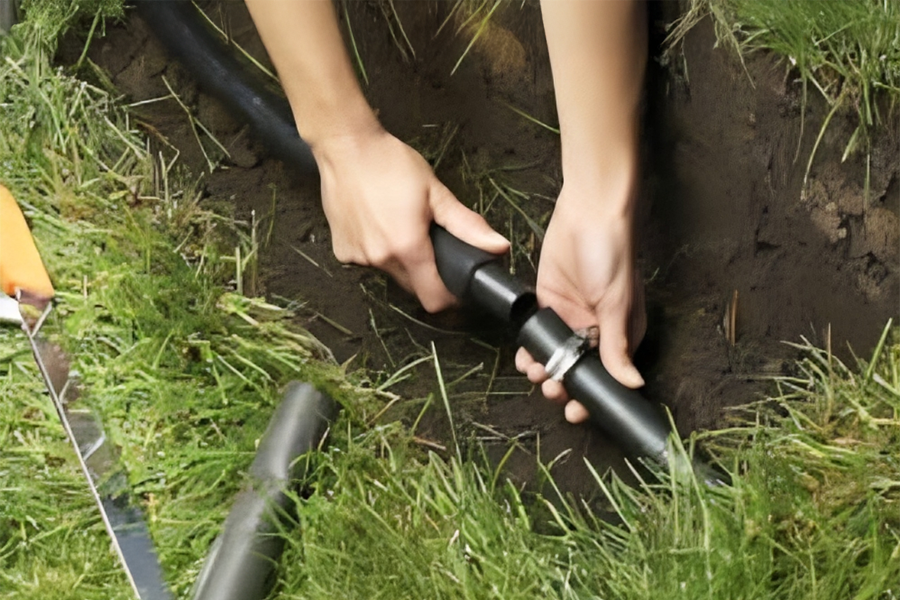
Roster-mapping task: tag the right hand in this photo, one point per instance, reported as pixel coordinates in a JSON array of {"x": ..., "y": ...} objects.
[
  {"x": 380, "y": 197},
  {"x": 587, "y": 275}
]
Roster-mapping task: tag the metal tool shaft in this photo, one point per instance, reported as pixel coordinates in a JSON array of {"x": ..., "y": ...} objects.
[{"x": 149, "y": 584}]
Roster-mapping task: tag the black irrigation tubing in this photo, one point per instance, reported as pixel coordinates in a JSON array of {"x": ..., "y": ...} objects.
[
  {"x": 223, "y": 75},
  {"x": 636, "y": 424},
  {"x": 241, "y": 562}
]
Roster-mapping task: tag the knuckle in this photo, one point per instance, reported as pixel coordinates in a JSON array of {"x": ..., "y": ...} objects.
[
  {"x": 408, "y": 250},
  {"x": 379, "y": 257},
  {"x": 343, "y": 253}
]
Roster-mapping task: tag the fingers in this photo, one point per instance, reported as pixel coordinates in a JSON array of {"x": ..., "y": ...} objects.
[
  {"x": 426, "y": 283},
  {"x": 552, "y": 390},
  {"x": 576, "y": 412},
  {"x": 466, "y": 224},
  {"x": 523, "y": 359},
  {"x": 614, "y": 349},
  {"x": 414, "y": 266}
]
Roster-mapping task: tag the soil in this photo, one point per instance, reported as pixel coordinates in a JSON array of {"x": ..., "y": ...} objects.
[{"x": 724, "y": 213}]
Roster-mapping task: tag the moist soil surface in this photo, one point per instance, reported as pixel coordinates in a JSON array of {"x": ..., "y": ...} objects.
[{"x": 723, "y": 215}]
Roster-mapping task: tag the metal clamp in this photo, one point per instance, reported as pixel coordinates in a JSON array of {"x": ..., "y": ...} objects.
[{"x": 567, "y": 354}]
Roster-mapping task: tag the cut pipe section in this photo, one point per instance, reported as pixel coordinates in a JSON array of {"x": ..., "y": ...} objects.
[{"x": 241, "y": 563}]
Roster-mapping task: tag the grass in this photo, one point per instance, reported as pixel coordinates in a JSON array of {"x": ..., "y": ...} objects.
[
  {"x": 48, "y": 20},
  {"x": 353, "y": 47},
  {"x": 812, "y": 514},
  {"x": 848, "y": 51},
  {"x": 483, "y": 14},
  {"x": 391, "y": 18},
  {"x": 183, "y": 368},
  {"x": 186, "y": 371}
]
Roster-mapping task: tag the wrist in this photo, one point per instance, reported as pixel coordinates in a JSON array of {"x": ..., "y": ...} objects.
[
  {"x": 339, "y": 147},
  {"x": 606, "y": 186},
  {"x": 321, "y": 122}
]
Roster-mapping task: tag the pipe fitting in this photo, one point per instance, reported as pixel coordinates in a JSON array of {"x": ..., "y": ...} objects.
[{"x": 620, "y": 412}]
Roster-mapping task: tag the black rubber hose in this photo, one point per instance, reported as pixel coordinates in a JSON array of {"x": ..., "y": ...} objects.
[
  {"x": 635, "y": 423},
  {"x": 9, "y": 15},
  {"x": 241, "y": 563},
  {"x": 220, "y": 73}
]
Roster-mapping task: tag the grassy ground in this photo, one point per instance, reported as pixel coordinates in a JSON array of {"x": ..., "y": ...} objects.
[
  {"x": 185, "y": 370},
  {"x": 813, "y": 513},
  {"x": 848, "y": 51}
]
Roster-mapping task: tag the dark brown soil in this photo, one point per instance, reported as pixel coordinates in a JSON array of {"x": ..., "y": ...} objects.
[{"x": 723, "y": 212}]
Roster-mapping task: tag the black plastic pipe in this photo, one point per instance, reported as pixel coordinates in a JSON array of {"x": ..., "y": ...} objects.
[
  {"x": 622, "y": 413},
  {"x": 625, "y": 415},
  {"x": 9, "y": 15},
  {"x": 222, "y": 74},
  {"x": 241, "y": 563},
  {"x": 638, "y": 426}
]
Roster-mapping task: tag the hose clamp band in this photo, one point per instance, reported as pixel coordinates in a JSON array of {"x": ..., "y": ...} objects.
[{"x": 568, "y": 353}]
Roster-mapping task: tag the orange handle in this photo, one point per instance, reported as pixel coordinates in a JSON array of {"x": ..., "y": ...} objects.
[{"x": 21, "y": 267}]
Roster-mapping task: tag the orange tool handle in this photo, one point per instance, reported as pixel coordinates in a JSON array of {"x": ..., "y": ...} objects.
[{"x": 21, "y": 267}]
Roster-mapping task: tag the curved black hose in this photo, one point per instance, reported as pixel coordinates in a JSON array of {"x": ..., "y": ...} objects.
[
  {"x": 242, "y": 560},
  {"x": 220, "y": 73}
]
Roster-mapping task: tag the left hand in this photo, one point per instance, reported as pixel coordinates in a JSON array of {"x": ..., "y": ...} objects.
[{"x": 587, "y": 275}]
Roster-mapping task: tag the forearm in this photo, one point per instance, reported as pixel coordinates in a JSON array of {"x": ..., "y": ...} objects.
[
  {"x": 598, "y": 50},
  {"x": 304, "y": 42}
]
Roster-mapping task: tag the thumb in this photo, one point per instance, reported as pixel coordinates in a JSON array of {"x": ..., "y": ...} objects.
[
  {"x": 614, "y": 351},
  {"x": 466, "y": 224}
]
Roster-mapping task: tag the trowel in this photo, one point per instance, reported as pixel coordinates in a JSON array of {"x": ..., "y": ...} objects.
[{"x": 27, "y": 300}]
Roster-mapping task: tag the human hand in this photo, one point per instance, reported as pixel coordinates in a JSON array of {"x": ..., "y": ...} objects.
[
  {"x": 380, "y": 197},
  {"x": 587, "y": 275}
]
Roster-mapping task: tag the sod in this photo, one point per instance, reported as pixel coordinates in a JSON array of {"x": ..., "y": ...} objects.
[
  {"x": 148, "y": 306},
  {"x": 849, "y": 52}
]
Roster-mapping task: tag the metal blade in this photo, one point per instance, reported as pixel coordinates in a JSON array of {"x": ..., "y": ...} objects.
[
  {"x": 9, "y": 310},
  {"x": 99, "y": 460}
]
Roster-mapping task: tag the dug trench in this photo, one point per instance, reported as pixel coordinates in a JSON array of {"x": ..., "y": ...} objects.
[{"x": 724, "y": 214}]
